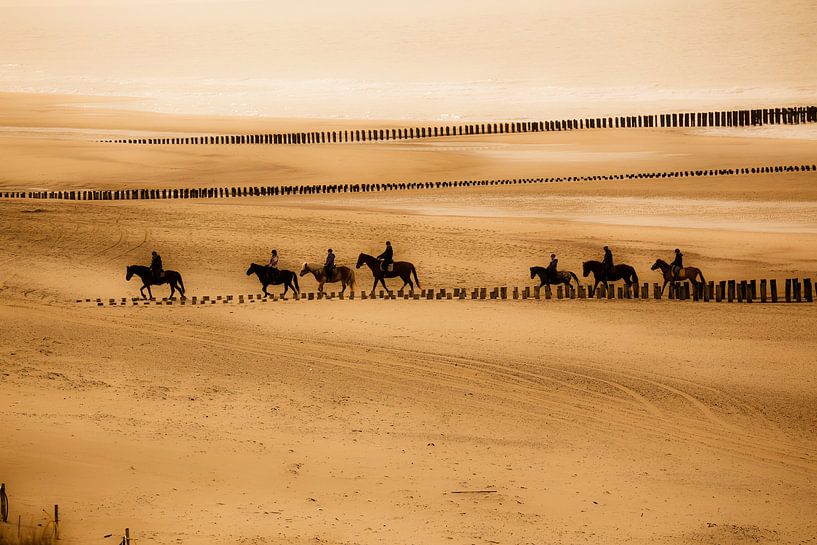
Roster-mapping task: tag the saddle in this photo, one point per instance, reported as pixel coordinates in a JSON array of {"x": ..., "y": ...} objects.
[{"x": 387, "y": 268}]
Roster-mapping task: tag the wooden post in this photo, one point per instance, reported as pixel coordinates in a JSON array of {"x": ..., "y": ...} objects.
[
  {"x": 582, "y": 293},
  {"x": 742, "y": 291},
  {"x": 4, "y": 503},
  {"x": 656, "y": 291},
  {"x": 548, "y": 292},
  {"x": 730, "y": 291},
  {"x": 127, "y": 536},
  {"x": 798, "y": 294},
  {"x": 762, "y": 290},
  {"x": 56, "y": 521},
  {"x": 773, "y": 290},
  {"x": 807, "y": 293},
  {"x": 788, "y": 290},
  {"x": 515, "y": 292},
  {"x": 645, "y": 290}
]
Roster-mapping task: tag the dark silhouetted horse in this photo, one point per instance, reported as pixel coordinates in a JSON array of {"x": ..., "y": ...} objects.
[
  {"x": 172, "y": 278},
  {"x": 267, "y": 276},
  {"x": 403, "y": 269},
  {"x": 600, "y": 274}
]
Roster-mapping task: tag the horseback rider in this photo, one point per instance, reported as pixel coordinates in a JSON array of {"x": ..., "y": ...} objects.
[
  {"x": 156, "y": 266},
  {"x": 273, "y": 264},
  {"x": 551, "y": 268},
  {"x": 387, "y": 257},
  {"x": 607, "y": 261},
  {"x": 329, "y": 266},
  {"x": 677, "y": 264}
]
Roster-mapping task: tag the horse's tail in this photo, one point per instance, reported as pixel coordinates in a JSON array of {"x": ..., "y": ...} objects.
[
  {"x": 701, "y": 274},
  {"x": 576, "y": 278},
  {"x": 414, "y": 272},
  {"x": 295, "y": 280},
  {"x": 635, "y": 277}
]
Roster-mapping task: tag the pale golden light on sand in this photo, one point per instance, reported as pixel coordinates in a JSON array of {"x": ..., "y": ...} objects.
[{"x": 411, "y": 422}]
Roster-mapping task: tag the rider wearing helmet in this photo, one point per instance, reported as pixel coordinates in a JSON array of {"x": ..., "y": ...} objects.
[
  {"x": 677, "y": 264},
  {"x": 387, "y": 257},
  {"x": 329, "y": 266},
  {"x": 551, "y": 268}
]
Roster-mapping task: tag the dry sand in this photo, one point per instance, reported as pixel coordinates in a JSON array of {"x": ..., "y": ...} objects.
[{"x": 358, "y": 422}]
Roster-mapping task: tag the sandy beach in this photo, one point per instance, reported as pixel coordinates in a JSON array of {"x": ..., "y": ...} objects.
[{"x": 366, "y": 422}]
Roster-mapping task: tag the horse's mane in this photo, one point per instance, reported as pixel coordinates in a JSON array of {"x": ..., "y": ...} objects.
[{"x": 661, "y": 262}]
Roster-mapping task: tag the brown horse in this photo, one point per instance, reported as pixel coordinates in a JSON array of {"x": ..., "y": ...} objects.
[
  {"x": 686, "y": 273},
  {"x": 403, "y": 269},
  {"x": 562, "y": 277},
  {"x": 344, "y": 275}
]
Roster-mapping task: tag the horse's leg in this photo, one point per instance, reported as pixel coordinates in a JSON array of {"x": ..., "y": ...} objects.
[
  {"x": 264, "y": 288},
  {"x": 172, "y": 288},
  {"x": 383, "y": 283},
  {"x": 150, "y": 293},
  {"x": 374, "y": 286},
  {"x": 142, "y": 291}
]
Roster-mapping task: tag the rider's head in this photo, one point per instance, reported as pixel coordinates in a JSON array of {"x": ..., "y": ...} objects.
[
  {"x": 388, "y": 243},
  {"x": 552, "y": 256},
  {"x": 677, "y": 251},
  {"x": 153, "y": 253},
  {"x": 330, "y": 251},
  {"x": 606, "y": 248},
  {"x": 275, "y": 252}
]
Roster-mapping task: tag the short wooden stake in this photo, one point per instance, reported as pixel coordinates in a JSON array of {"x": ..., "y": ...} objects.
[{"x": 773, "y": 290}]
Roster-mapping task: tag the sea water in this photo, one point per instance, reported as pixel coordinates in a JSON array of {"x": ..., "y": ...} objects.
[{"x": 424, "y": 59}]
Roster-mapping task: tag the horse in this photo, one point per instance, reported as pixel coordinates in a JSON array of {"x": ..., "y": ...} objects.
[
  {"x": 562, "y": 277},
  {"x": 686, "y": 273},
  {"x": 403, "y": 269},
  {"x": 344, "y": 275},
  {"x": 172, "y": 278},
  {"x": 600, "y": 274},
  {"x": 265, "y": 274}
]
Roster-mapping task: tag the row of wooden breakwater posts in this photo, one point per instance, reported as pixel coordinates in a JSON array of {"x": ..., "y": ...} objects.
[
  {"x": 732, "y": 118},
  {"x": 319, "y": 189},
  {"x": 725, "y": 291}
]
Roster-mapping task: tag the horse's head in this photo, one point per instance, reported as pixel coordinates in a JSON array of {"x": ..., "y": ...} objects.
[
  {"x": 360, "y": 261},
  {"x": 251, "y": 269},
  {"x": 129, "y": 273},
  {"x": 305, "y": 269},
  {"x": 656, "y": 265},
  {"x": 532, "y": 272},
  {"x": 585, "y": 268}
]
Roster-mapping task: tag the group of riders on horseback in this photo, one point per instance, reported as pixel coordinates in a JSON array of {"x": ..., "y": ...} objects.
[
  {"x": 606, "y": 271},
  {"x": 383, "y": 266}
]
